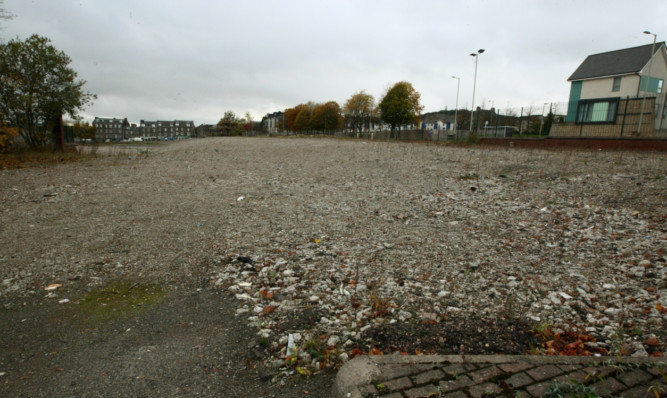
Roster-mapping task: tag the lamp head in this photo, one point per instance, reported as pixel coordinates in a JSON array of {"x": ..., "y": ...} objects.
[
  {"x": 481, "y": 50},
  {"x": 646, "y": 32}
]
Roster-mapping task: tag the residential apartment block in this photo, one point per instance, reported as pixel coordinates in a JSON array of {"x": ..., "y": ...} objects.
[
  {"x": 164, "y": 129},
  {"x": 273, "y": 122},
  {"x": 113, "y": 129}
]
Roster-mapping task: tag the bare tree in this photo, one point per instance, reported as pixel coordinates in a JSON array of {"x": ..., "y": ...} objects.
[{"x": 4, "y": 14}]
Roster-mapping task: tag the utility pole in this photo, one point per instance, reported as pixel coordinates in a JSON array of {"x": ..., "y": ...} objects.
[
  {"x": 648, "y": 80},
  {"x": 474, "y": 86},
  {"x": 456, "y": 110}
]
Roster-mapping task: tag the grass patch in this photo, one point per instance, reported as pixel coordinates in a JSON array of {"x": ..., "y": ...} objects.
[
  {"x": 117, "y": 300},
  {"x": 25, "y": 158}
]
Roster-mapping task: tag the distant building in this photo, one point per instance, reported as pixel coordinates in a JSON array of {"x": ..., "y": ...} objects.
[
  {"x": 112, "y": 129},
  {"x": 272, "y": 123},
  {"x": 207, "y": 130},
  {"x": 613, "y": 88},
  {"x": 164, "y": 129}
]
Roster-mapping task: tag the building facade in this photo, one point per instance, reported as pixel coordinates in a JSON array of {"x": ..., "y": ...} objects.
[
  {"x": 621, "y": 87},
  {"x": 272, "y": 123},
  {"x": 163, "y": 129},
  {"x": 112, "y": 129}
]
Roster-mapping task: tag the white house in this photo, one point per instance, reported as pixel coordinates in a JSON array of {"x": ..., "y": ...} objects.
[{"x": 603, "y": 80}]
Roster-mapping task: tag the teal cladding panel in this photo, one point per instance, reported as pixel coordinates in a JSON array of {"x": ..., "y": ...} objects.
[
  {"x": 575, "y": 96},
  {"x": 652, "y": 84}
]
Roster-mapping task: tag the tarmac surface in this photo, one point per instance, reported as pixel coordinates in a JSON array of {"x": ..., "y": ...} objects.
[{"x": 500, "y": 376}]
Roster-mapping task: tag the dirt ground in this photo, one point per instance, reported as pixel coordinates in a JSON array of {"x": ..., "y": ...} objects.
[{"x": 115, "y": 273}]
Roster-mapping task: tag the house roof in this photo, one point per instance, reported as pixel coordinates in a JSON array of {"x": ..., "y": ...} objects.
[{"x": 614, "y": 63}]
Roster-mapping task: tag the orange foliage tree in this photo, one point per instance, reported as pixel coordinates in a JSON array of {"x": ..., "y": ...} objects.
[{"x": 7, "y": 135}]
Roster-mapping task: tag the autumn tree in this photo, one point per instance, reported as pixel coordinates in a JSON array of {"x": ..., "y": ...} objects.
[
  {"x": 400, "y": 105},
  {"x": 228, "y": 124},
  {"x": 7, "y": 136},
  {"x": 247, "y": 123},
  {"x": 84, "y": 131},
  {"x": 302, "y": 120},
  {"x": 359, "y": 109},
  {"x": 36, "y": 87},
  {"x": 290, "y": 116},
  {"x": 326, "y": 117}
]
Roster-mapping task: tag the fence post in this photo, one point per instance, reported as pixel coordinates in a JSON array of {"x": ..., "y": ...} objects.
[{"x": 625, "y": 113}]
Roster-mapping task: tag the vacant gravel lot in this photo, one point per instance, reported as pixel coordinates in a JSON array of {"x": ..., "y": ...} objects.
[{"x": 337, "y": 237}]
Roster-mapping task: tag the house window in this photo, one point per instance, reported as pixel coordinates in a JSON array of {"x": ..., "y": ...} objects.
[
  {"x": 597, "y": 110},
  {"x": 617, "y": 84},
  {"x": 660, "y": 86}
]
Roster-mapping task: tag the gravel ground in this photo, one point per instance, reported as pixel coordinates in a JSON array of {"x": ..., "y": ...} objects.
[{"x": 323, "y": 242}]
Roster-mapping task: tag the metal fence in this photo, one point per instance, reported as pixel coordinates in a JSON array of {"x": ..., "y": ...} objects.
[{"x": 605, "y": 117}]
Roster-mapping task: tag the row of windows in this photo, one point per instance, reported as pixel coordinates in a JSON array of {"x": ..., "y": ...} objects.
[
  {"x": 597, "y": 111},
  {"x": 159, "y": 124}
]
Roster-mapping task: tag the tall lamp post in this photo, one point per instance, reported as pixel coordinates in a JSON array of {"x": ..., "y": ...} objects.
[
  {"x": 474, "y": 86},
  {"x": 542, "y": 121},
  {"x": 650, "y": 62},
  {"x": 456, "y": 110}
]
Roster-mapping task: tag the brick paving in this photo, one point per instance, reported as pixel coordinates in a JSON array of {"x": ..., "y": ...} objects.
[{"x": 498, "y": 376}]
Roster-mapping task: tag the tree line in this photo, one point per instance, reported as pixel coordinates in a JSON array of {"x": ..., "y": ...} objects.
[
  {"x": 400, "y": 105},
  {"x": 37, "y": 87}
]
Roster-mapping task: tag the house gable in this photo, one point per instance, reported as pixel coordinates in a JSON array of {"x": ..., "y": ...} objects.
[
  {"x": 615, "y": 63},
  {"x": 609, "y": 76}
]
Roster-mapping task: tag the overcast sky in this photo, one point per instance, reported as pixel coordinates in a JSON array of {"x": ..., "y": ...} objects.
[{"x": 196, "y": 59}]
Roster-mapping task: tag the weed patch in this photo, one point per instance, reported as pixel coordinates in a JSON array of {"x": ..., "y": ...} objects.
[{"x": 121, "y": 299}]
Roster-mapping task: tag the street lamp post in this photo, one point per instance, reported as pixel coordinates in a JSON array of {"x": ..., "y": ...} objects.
[
  {"x": 542, "y": 120},
  {"x": 492, "y": 110},
  {"x": 456, "y": 110},
  {"x": 474, "y": 86},
  {"x": 648, "y": 80}
]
